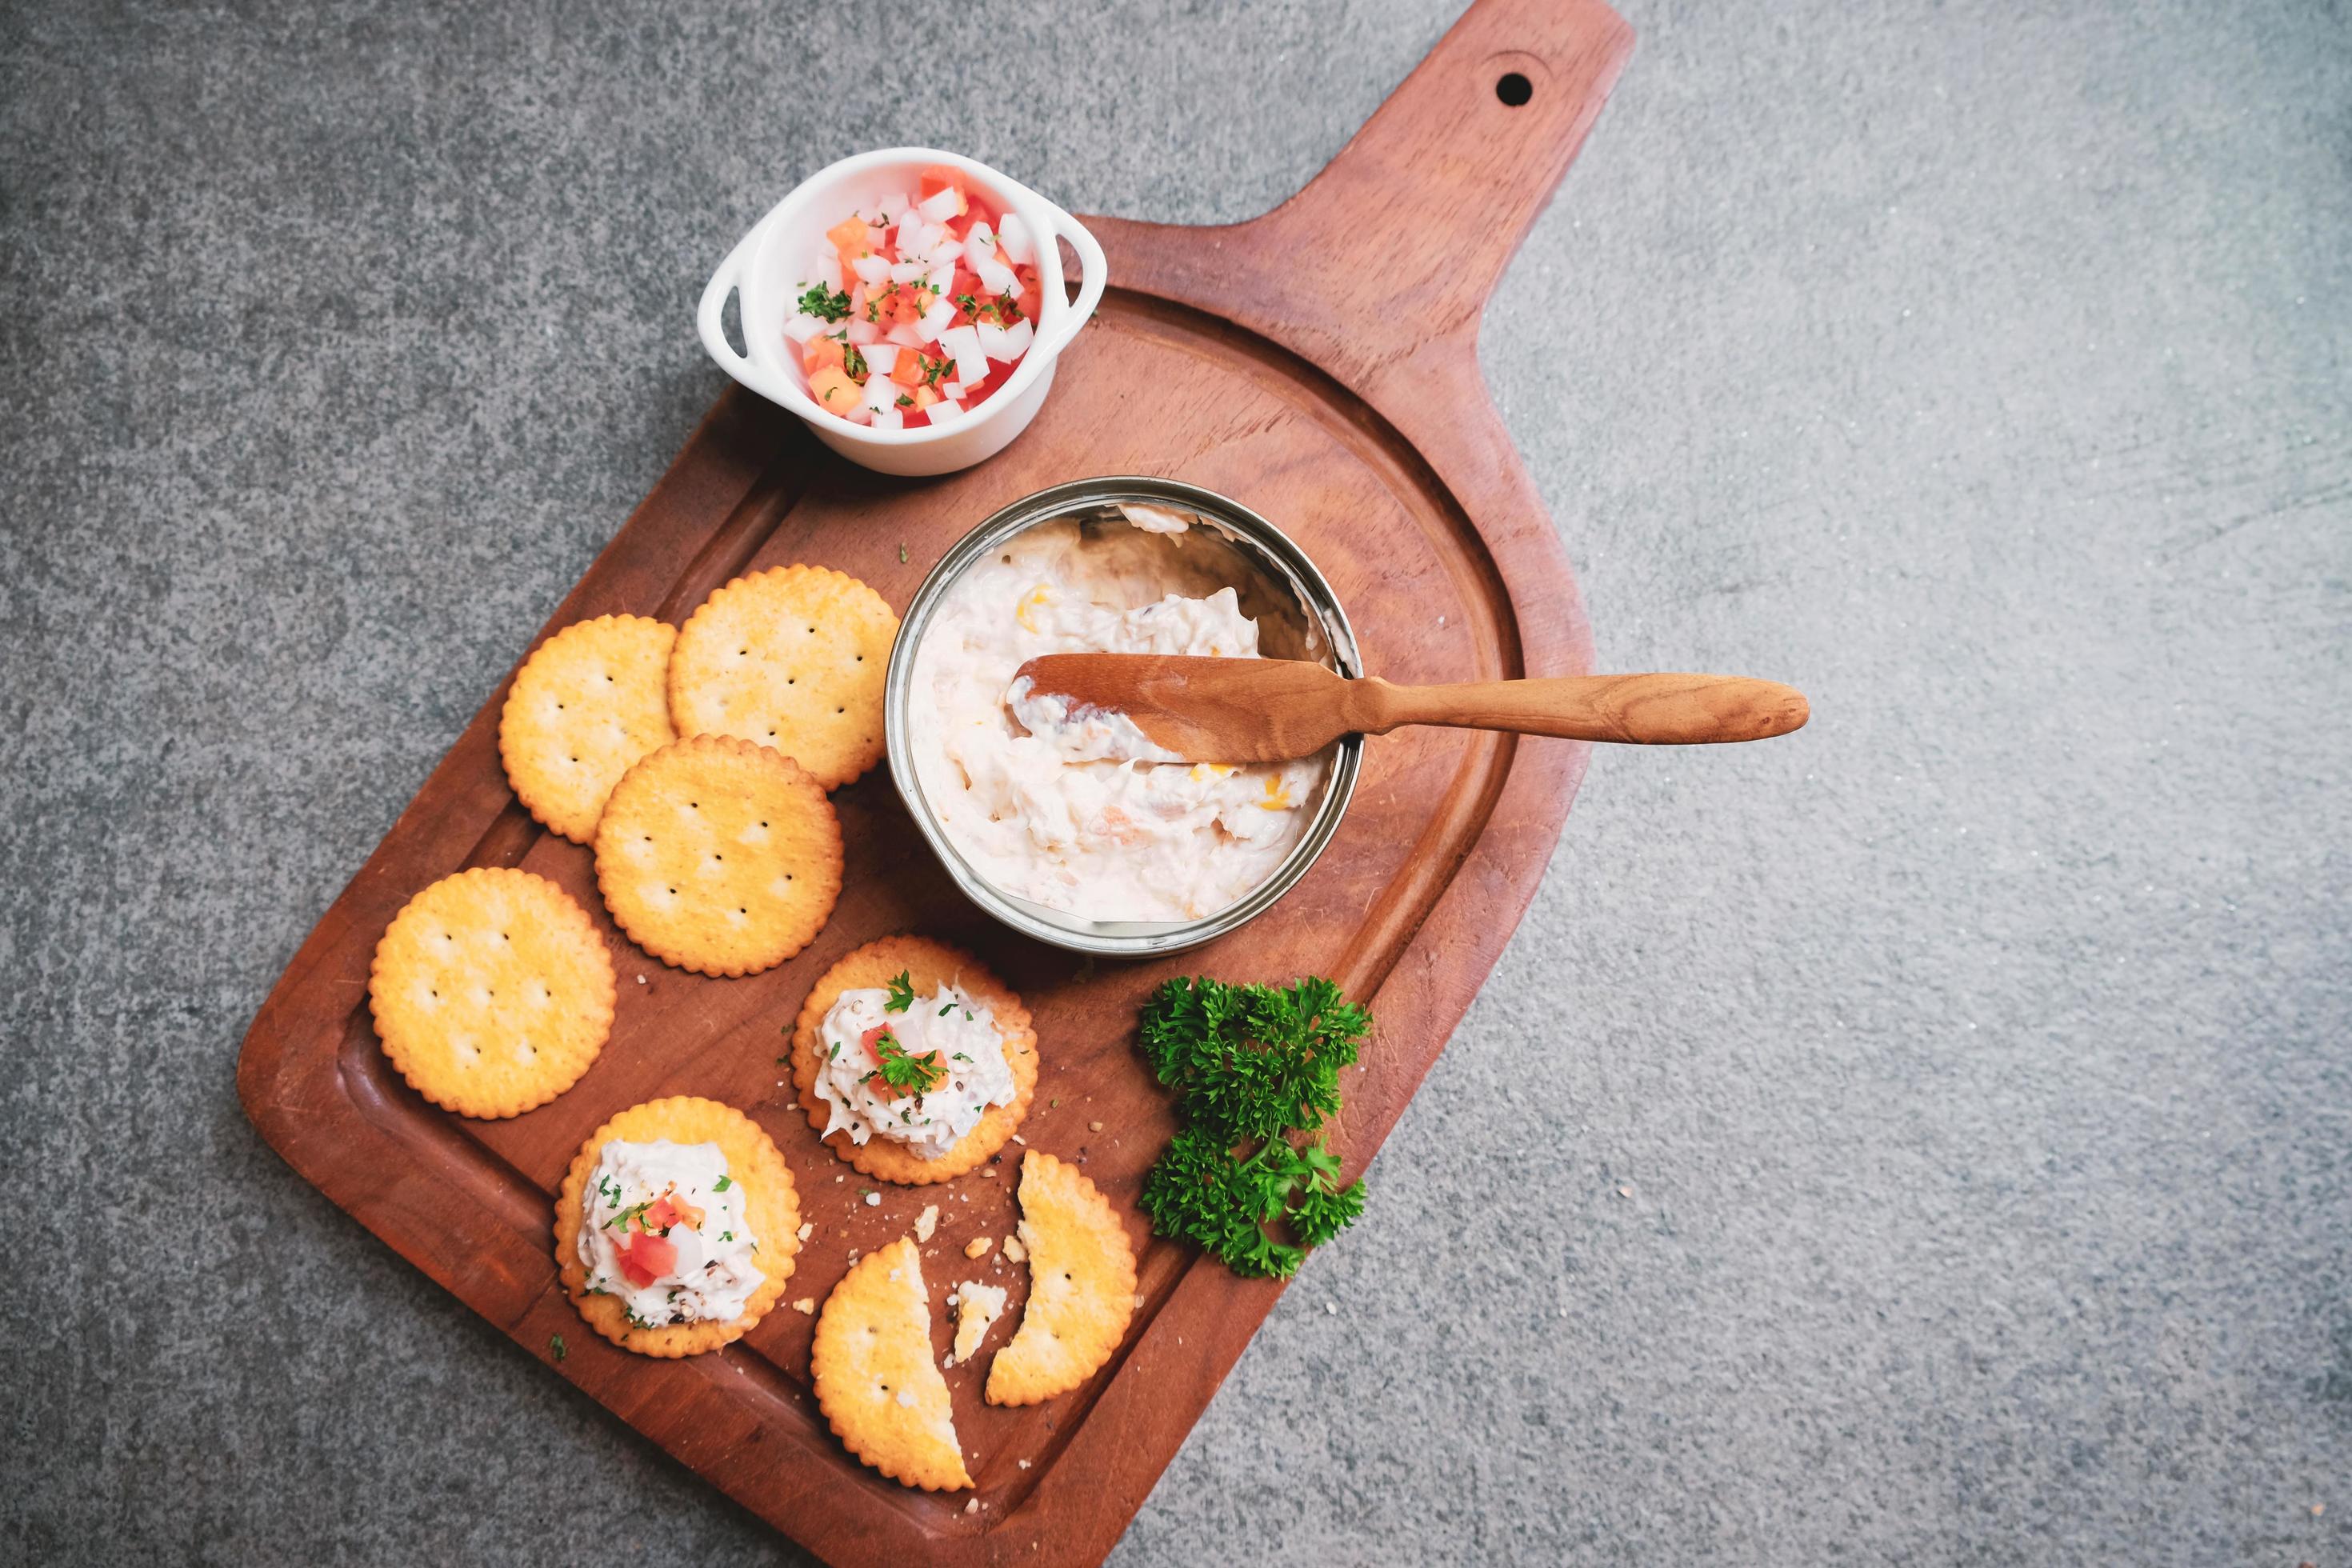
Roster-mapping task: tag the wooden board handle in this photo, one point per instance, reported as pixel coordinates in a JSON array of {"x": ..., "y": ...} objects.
[
  {"x": 1397, "y": 243},
  {"x": 1640, "y": 709}
]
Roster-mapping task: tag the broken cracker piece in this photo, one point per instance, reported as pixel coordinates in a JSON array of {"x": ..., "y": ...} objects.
[{"x": 978, "y": 1307}]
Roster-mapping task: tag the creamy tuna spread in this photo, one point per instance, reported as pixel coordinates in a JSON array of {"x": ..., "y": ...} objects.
[
  {"x": 662, "y": 1227},
  {"x": 1077, "y": 809},
  {"x": 922, "y": 1074}
]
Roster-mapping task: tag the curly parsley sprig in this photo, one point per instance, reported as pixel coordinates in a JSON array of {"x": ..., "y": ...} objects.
[{"x": 1254, "y": 1064}]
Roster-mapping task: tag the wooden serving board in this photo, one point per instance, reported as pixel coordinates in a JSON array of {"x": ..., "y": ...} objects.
[{"x": 1319, "y": 364}]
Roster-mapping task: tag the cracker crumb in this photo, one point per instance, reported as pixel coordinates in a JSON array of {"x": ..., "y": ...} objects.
[
  {"x": 641, "y": 980},
  {"x": 1015, "y": 1250},
  {"x": 976, "y": 1247},
  {"x": 1139, "y": 1300},
  {"x": 837, "y": 1178},
  {"x": 873, "y": 1200},
  {"x": 973, "y": 1506},
  {"x": 805, "y": 1304},
  {"x": 1020, "y": 1140},
  {"x": 808, "y": 1228},
  {"x": 1094, "y": 1126},
  {"x": 927, "y": 1222},
  {"x": 1024, "y": 1464},
  {"x": 1331, "y": 1308},
  {"x": 1624, "y": 1192}
]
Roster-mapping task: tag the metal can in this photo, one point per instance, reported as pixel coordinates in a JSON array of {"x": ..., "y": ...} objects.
[{"x": 1277, "y": 558}]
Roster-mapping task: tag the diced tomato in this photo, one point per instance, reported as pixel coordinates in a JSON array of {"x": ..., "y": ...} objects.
[
  {"x": 940, "y": 177},
  {"x": 924, "y": 397},
  {"x": 849, "y": 236},
  {"x": 909, "y": 369},
  {"x": 821, "y": 351},
  {"x": 834, "y": 390},
  {"x": 910, "y": 305},
  {"x": 646, "y": 1258},
  {"x": 669, "y": 1209},
  {"x": 999, "y": 373},
  {"x": 869, "y": 1037}
]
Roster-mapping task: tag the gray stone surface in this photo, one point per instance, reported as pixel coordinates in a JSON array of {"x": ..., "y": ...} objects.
[{"x": 1922, "y": 1138}]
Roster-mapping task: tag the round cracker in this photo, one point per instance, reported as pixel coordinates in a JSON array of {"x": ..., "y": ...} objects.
[
  {"x": 492, "y": 991},
  {"x": 719, "y": 855},
  {"x": 792, "y": 658},
  {"x": 772, "y": 1208},
  {"x": 584, "y": 708},
  {"x": 871, "y": 1363},
  {"x": 928, "y": 964},
  {"x": 1081, "y": 1285}
]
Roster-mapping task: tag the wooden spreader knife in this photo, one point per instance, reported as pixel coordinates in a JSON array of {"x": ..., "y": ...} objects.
[{"x": 1271, "y": 710}]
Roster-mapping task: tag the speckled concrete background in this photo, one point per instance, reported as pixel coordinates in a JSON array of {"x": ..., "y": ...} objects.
[{"x": 1935, "y": 1148}]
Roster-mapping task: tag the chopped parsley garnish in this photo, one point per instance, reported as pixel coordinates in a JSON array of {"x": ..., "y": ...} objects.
[
  {"x": 634, "y": 1212},
  {"x": 726, "y": 1235},
  {"x": 902, "y": 993},
  {"x": 722, "y": 1184},
  {"x": 948, "y": 1009},
  {"x": 933, "y": 370},
  {"x": 825, "y": 306},
  {"x": 556, "y": 1347},
  {"x": 905, "y": 402},
  {"x": 906, "y": 1074},
  {"x": 1253, "y": 1064},
  {"x": 854, "y": 364}
]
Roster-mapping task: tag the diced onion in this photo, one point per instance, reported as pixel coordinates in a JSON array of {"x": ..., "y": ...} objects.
[
  {"x": 915, "y": 238},
  {"x": 1012, "y": 240},
  {"x": 950, "y": 390},
  {"x": 963, "y": 344},
  {"x": 888, "y": 210},
  {"x": 863, "y": 331},
  {"x": 906, "y": 337},
  {"x": 822, "y": 268},
  {"x": 993, "y": 340},
  {"x": 1017, "y": 338},
  {"x": 890, "y": 419},
  {"x": 945, "y": 413},
  {"x": 943, "y": 277},
  {"x": 870, "y": 270},
  {"x": 980, "y": 240},
  {"x": 881, "y": 393},
  {"x": 938, "y": 320},
  {"x": 880, "y": 357},
  {"x": 801, "y": 328},
  {"x": 908, "y": 271},
  {"x": 940, "y": 207},
  {"x": 997, "y": 277}
]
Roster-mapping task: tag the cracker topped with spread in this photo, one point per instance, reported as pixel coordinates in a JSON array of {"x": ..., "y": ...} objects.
[
  {"x": 871, "y": 1363},
  {"x": 1081, "y": 1285},
  {"x": 792, "y": 658},
  {"x": 719, "y": 855},
  {"x": 913, "y": 1062},
  {"x": 584, "y": 708},
  {"x": 492, "y": 992},
  {"x": 676, "y": 1228}
]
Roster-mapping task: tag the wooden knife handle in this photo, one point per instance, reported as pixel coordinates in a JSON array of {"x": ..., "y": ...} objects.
[{"x": 1643, "y": 709}]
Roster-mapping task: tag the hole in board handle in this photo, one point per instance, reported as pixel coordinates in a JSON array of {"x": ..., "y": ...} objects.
[{"x": 1515, "y": 89}]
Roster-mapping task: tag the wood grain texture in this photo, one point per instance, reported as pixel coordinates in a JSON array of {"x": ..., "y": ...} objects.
[
  {"x": 1273, "y": 710},
  {"x": 1360, "y": 426}
]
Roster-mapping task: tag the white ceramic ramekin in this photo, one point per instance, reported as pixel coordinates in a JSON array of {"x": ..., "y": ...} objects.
[{"x": 762, "y": 268}]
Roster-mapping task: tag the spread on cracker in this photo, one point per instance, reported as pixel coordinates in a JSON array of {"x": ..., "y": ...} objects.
[
  {"x": 677, "y": 1227},
  {"x": 584, "y": 707},
  {"x": 792, "y": 658},
  {"x": 871, "y": 1363},
  {"x": 1081, "y": 1285},
  {"x": 719, "y": 855},
  {"x": 913, "y": 1061},
  {"x": 491, "y": 991}
]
